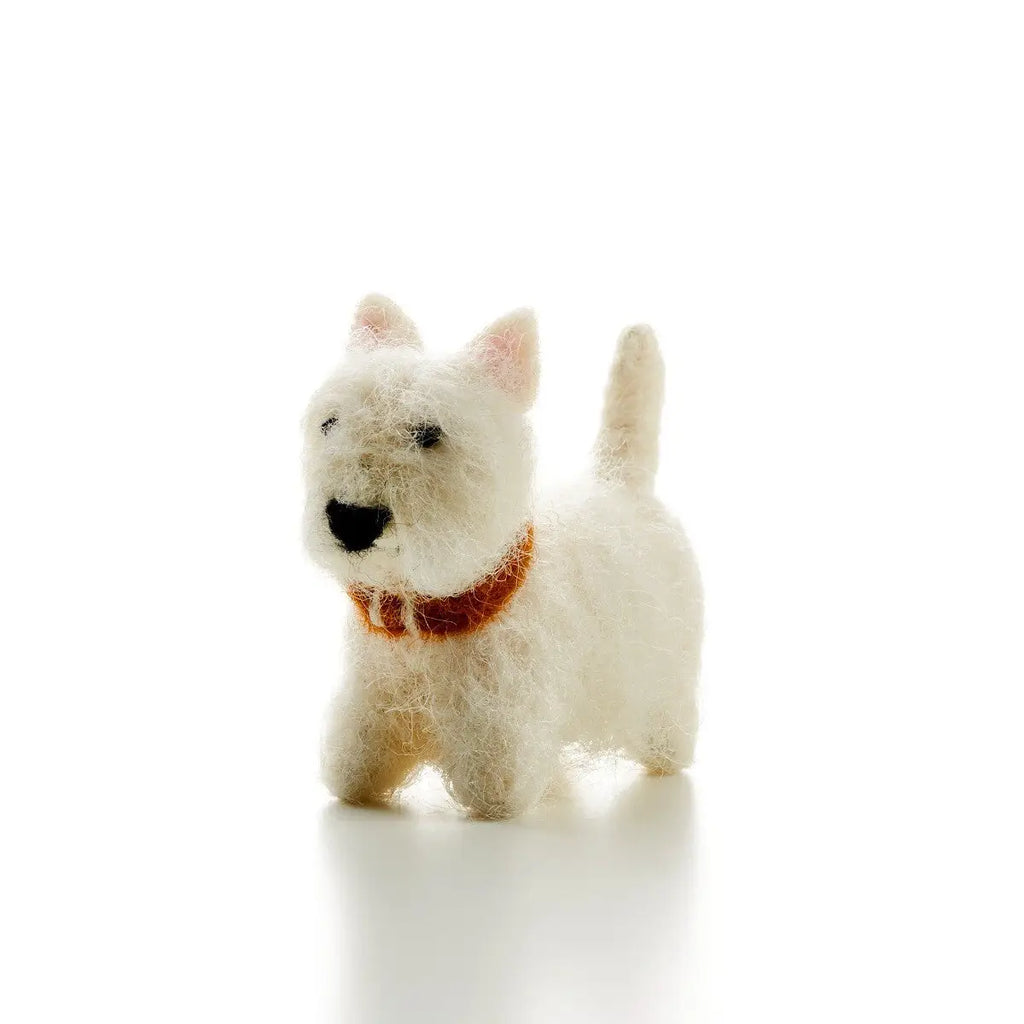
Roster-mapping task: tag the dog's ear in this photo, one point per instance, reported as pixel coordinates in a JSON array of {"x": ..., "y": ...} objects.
[
  {"x": 507, "y": 353},
  {"x": 379, "y": 323}
]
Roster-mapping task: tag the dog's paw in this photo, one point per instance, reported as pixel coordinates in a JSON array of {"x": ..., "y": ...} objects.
[
  {"x": 496, "y": 810},
  {"x": 364, "y": 780},
  {"x": 667, "y": 754},
  {"x": 494, "y": 795}
]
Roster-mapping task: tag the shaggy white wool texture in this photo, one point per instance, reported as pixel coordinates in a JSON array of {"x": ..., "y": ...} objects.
[{"x": 600, "y": 644}]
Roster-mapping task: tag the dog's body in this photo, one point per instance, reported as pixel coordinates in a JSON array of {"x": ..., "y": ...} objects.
[{"x": 598, "y": 643}]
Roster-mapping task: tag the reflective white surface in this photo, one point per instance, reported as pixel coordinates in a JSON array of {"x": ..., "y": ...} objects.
[{"x": 577, "y": 913}]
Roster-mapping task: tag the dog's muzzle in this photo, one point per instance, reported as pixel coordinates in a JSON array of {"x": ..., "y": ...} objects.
[{"x": 356, "y": 526}]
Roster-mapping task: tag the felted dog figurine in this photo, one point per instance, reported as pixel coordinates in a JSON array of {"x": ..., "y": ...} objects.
[{"x": 489, "y": 631}]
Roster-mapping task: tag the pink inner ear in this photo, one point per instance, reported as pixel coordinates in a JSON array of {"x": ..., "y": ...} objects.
[
  {"x": 501, "y": 356},
  {"x": 374, "y": 319},
  {"x": 503, "y": 350}
]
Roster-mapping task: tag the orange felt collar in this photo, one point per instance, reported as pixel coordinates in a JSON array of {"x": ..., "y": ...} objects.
[{"x": 435, "y": 618}]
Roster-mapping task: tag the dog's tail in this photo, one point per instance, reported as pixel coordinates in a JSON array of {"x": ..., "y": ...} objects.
[{"x": 627, "y": 445}]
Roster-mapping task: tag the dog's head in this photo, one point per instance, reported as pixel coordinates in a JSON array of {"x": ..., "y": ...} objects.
[{"x": 418, "y": 469}]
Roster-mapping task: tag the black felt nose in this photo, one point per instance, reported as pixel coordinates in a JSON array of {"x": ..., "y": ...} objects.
[{"x": 357, "y": 526}]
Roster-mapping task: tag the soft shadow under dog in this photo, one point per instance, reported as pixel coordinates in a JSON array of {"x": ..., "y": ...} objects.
[{"x": 551, "y": 917}]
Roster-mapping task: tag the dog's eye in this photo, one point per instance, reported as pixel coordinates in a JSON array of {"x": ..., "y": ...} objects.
[
  {"x": 327, "y": 424},
  {"x": 426, "y": 435}
]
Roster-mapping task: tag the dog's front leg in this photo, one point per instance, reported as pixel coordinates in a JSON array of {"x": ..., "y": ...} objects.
[
  {"x": 497, "y": 761},
  {"x": 369, "y": 748}
]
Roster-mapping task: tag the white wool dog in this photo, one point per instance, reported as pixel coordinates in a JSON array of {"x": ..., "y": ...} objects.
[{"x": 492, "y": 631}]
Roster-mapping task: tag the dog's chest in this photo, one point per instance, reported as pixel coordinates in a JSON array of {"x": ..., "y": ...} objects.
[{"x": 440, "y": 671}]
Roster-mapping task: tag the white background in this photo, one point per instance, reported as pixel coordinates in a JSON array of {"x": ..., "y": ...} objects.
[{"x": 818, "y": 206}]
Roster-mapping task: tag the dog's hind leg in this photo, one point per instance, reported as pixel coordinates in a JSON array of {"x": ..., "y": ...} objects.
[
  {"x": 662, "y": 720},
  {"x": 664, "y": 743}
]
